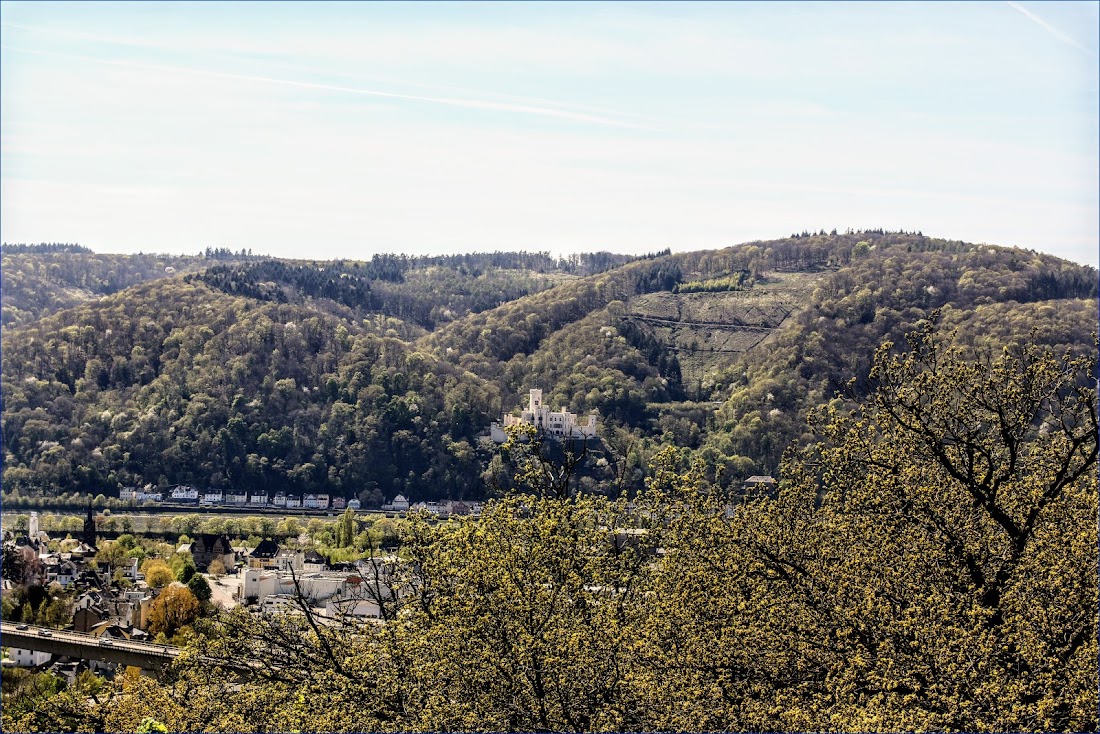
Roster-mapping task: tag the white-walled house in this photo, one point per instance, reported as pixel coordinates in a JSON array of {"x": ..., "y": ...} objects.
[
  {"x": 28, "y": 658},
  {"x": 432, "y": 508},
  {"x": 258, "y": 500},
  {"x": 313, "y": 562},
  {"x": 293, "y": 500},
  {"x": 256, "y": 583},
  {"x": 400, "y": 503},
  {"x": 67, "y": 571},
  {"x": 185, "y": 494},
  {"x": 289, "y": 560}
]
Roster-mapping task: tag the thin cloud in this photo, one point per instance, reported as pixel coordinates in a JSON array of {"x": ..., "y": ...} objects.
[
  {"x": 529, "y": 109},
  {"x": 1050, "y": 29},
  {"x": 599, "y": 112}
]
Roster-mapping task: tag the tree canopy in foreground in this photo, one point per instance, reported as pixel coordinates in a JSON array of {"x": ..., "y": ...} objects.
[{"x": 930, "y": 564}]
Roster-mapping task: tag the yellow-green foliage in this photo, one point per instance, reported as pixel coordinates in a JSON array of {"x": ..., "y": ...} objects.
[
  {"x": 733, "y": 282},
  {"x": 930, "y": 564}
]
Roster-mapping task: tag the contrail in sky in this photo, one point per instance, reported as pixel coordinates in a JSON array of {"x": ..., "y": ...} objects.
[
  {"x": 1050, "y": 29},
  {"x": 529, "y": 109},
  {"x": 515, "y": 99}
]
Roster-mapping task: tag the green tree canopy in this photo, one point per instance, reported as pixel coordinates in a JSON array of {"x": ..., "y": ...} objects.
[
  {"x": 199, "y": 587},
  {"x": 929, "y": 564}
]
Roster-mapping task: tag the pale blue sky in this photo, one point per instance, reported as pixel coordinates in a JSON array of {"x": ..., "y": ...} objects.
[{"x": 343, "y": 129}]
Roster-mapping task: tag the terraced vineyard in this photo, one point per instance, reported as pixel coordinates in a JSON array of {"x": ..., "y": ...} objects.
[{"x": 707, "y": 330}]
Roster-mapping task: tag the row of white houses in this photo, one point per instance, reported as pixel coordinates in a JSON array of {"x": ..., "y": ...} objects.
[
  {"x": 230, "y": 498},
  {"x": 239, "y": 498}
]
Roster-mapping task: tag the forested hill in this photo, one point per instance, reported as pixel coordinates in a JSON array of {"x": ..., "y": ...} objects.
[
  {"x": 376, "y": 377},
  {"x": 41, "y": 279}
]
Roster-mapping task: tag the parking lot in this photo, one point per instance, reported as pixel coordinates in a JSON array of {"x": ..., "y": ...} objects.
[{"x": 223, "y": 590}]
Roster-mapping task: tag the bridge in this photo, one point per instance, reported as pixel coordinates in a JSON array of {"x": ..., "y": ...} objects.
[{"x": 144, "y": 655}]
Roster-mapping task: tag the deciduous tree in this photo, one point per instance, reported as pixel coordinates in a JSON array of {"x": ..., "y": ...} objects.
[
  {"x": 199, "y": 587},
  {"x": 929, "y": 565},
  {"x": 157, "y": 573},
  {"x": 173, "y": 608}
]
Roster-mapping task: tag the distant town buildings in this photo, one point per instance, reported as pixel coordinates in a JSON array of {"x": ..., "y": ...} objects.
[
  {"x": 28, "y": 658},
  {"x": 356, "y": 592},
  {"x": 447, "y": 507},
  {"x": 185, "y": 494},
  {"x": 263, "y": 555},
  {"x": 313, "y": 562},
  {"x": 755, "y": 487},
  {"x": 207, "y": 548},
  {"x": 759, "y": 486},
  {"x": 400, "y": 503},
  {"x": 559, "y": 424},
  {"x": 134, "y": 494},
  {"x": 102, "y": 607}
]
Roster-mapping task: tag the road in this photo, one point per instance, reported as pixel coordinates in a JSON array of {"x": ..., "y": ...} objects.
[
  {"x": 79, "y": 645},
  {"x": 144, "y": 655}
]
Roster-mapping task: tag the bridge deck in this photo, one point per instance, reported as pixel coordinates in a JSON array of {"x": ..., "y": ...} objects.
[{"x": 79, "y": 645}]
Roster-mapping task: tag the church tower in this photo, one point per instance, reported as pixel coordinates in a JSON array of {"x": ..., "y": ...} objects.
[{"x": 89, "y": 528}]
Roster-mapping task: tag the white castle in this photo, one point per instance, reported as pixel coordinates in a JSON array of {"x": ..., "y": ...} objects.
[{"x": 561, "y": 423}]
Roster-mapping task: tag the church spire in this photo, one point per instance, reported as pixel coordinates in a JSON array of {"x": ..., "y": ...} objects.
[{"x": 89, "y": 527}]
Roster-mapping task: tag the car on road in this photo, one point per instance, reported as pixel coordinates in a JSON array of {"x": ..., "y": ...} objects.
[
  {"x": 106, "y": 643},
  {"x": 45, "y": 633},
  {"x": 21, "y": 626}
]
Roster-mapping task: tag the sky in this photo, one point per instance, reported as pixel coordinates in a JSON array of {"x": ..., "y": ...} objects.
[{"x": 338, "y": 130}]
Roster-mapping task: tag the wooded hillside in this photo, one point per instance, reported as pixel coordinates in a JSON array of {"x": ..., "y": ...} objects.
[
  {"x": 928, "y": 565},
  {"x": 377, "y": 377}
]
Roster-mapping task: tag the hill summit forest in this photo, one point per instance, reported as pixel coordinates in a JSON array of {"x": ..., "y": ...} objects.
[
  {"x": 928, "y": 408},
  {"x": 369, "y": 379}
]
